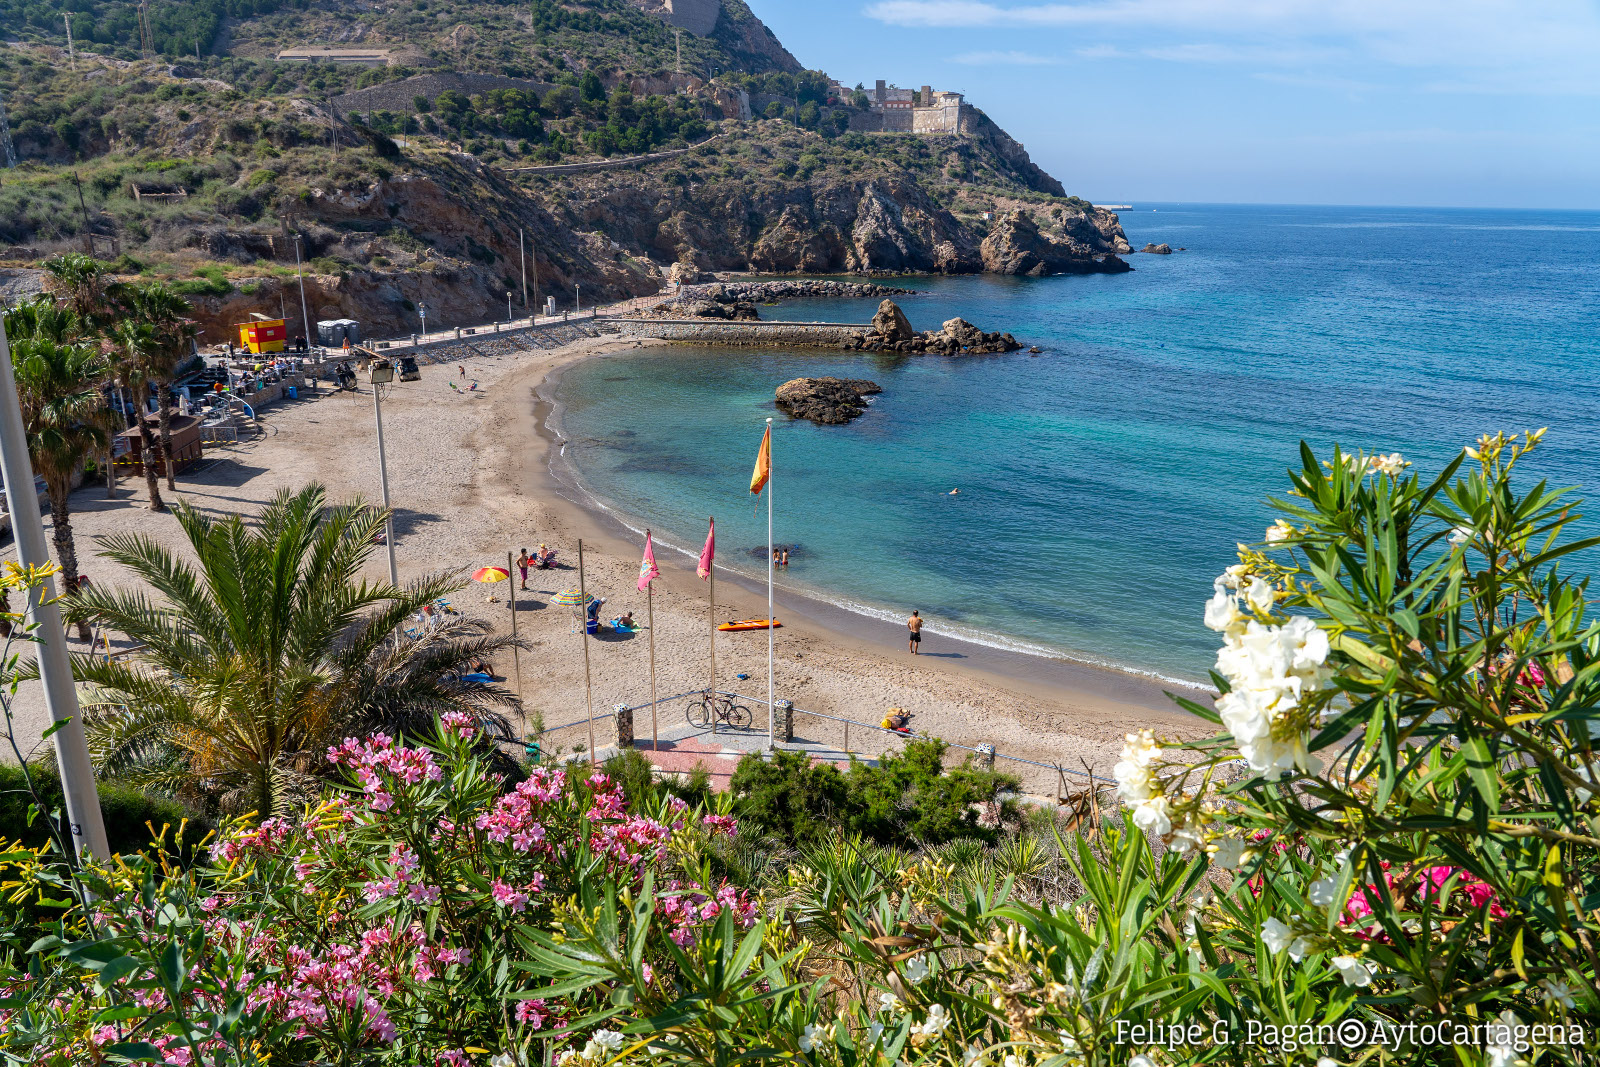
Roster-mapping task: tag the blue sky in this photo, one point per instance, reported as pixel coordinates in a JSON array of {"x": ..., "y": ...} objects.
[{"x": 1427, "y": 102}]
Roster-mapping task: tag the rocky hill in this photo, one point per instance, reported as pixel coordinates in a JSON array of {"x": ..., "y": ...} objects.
[{"x": 411, "y": 182}]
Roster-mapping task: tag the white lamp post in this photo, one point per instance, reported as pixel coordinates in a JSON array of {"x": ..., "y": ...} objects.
[
  {"x": 577, "y": 297},
  {"x": 508, "y": 307},
  {"x": 422, "y": 309},
  {"x": 382, "y": 373}
]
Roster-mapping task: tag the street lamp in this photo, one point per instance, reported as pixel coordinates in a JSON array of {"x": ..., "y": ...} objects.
[
  {"x": 508, "y": 307},
  {"x": 305, "y": 316},
  {"x": 381, "y": 374},
  {"x": 577, "y": 297},
  {"x": 422, "y": 309}
]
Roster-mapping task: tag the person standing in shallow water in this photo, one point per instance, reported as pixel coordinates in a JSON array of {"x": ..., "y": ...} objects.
[{"x": 914, "y": 624}]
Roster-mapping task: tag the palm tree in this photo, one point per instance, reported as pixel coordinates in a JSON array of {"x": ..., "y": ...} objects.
[
  {"x": 65, "y": 417},
  {"x": 267, "y": 651},
  {"x": 83, "y": 282},
  {"x": 166, "y": 312},
  {"x": 136, "y": 345}
]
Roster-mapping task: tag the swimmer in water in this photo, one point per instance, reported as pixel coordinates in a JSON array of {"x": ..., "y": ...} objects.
[{"x": 953, "y": 492}]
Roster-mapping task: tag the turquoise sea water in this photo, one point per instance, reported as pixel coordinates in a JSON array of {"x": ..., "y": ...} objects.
[{"x": 1104, "y": 483}]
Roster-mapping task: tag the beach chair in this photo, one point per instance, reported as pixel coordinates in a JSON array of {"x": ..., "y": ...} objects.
[{"x": 477, "y": 676}]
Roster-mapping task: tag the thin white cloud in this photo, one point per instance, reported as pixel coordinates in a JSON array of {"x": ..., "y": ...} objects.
[
  {"x": 1487, "y": 45},
  {"x": 1005, "y": 59}
]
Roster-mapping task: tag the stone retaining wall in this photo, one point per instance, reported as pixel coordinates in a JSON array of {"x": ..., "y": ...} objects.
[{"x": 701, "y": 331}]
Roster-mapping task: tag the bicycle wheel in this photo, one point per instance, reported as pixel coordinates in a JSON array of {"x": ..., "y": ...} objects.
[
  {"x": 738, "y": 715},
  {"x": 696, "y": 714}
]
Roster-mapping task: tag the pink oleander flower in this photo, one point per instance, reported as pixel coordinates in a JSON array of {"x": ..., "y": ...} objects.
[
  {"x": 459, "y": 722},
  {"x": 507, "y": 897},
  {"x": 532, "y": 1013},
  {"x": 423, "y": 894},
  {"x": 721, "y": 824}
]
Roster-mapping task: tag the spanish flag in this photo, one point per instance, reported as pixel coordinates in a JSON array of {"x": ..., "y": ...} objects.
[{"x": 763, "y": 471}]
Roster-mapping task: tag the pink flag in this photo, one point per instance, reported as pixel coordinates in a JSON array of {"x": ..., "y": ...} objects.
[
  {"x": 647, "y": 566},
  {"x": 708, "y": 553}
]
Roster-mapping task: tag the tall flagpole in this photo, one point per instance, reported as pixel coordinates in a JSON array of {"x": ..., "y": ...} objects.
[
  {"x": 512, "y": 597},
  {"x": 588, "y": 699},
  {"x": 711, "y": 694},
  {"x": 772, "y": 624},
  {"x": 650, "y": 617}
]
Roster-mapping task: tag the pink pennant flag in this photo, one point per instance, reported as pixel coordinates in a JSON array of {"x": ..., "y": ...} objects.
[
  {"x": 708, "y": 553},
  {"x": 647, "y": 566}
]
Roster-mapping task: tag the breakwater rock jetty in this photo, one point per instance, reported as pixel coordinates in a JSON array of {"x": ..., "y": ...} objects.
[
  {"x": 826, "y": 401},
  {"x": 768, "y": 291},
  {"x": 891, "y": 332}
]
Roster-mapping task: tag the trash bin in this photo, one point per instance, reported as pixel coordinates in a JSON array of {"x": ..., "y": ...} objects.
[{"x": 293, "y": 394}]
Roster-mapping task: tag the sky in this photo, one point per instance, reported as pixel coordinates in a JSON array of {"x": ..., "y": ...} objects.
[{"x": 1450, "y": 103}]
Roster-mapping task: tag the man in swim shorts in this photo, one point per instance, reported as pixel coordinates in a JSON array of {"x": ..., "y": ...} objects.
[{"x": 914, "y": 624}]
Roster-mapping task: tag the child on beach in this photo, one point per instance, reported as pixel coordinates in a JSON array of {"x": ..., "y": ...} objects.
[{"x": 522, "y": 565}]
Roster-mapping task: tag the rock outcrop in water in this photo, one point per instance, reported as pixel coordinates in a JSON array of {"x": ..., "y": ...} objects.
[
  {"x": 1015, "y": 246},
  {"x": 825, "y": 401},
  {"x": 1157, "y": 250},
  {"x": 891, "y": 332}
]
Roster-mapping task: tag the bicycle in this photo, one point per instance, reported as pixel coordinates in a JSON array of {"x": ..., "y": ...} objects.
[{"x": 712, "y": 708}]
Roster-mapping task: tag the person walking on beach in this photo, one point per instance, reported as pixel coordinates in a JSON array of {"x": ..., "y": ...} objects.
[
  {"x": 522, "y": 565},
  {"x": 914, "y": 624},
  {"x": 463, "y": 369}
]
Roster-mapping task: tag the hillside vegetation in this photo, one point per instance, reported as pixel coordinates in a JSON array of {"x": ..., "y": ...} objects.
[{"x": 410, "y": 182}]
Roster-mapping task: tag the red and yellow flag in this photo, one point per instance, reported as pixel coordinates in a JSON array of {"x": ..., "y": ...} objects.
[{"x": 763, "y": 471}]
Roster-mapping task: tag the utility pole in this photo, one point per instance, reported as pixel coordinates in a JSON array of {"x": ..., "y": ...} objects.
[
  {"x": 147, "y": 39},
  {"x": 87, "y": 826},
  {"x": 305, "y": 316},
  {"x": 72, "y": 56},
  {"x": 7, "y": 149},
  {"x": 522, "y": 256}
]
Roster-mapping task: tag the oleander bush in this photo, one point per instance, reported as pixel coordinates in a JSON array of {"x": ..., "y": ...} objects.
[{"x": 1388, "y": 858}]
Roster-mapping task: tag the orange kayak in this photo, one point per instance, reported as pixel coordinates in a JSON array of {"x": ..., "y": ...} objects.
[{"x": 750, "y": 624}]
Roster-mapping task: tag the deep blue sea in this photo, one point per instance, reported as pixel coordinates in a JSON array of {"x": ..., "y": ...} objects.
[{"x": 1104, "y": 483}]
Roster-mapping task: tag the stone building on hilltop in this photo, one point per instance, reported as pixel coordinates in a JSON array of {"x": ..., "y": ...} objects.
[{"x": 895, "y": 110}]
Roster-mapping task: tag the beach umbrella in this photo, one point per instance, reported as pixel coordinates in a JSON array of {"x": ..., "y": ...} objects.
[
  {"x": 490, "y": 574},
  {"x": 572, "y": 598}
]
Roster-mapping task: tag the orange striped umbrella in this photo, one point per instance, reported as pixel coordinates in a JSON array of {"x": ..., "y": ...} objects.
[{"x": 490, "y": 574}]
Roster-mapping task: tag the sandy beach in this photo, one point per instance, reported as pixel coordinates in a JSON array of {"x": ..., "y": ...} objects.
[{"x": 471, "y": 479}]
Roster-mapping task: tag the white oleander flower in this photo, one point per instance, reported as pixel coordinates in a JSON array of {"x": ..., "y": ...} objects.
[
  {"x": 1188, "y": 836},
  {"x": 1141, "y": 1060},
  {"x": 502, "y": 1060},
  {"x": 917, "y": 969},
  {"x": 1275, "y": 935},
  {"x": 808, "y": 1039},
  {"x": 972, "y": 1055},
  {"x": 1222, "y": 611},
  {"x": 1352, "y": 970},
  {"x": 566, "y": 1057},
  {"x": 1069, "y": 1044},
  {"x": 1261, "y": 595},
  {"x": 1014, "y": 1061},
  {"x": 1393, "y": 464},
  {"x": 1300, "y": 948},
  {"x": 890, "y": 1003},
  {"x": 934, "y": 1025},
  {"x": 1321, "y": 891},
  {"x": 1279, "y": 532},
  {"x": 1152, "y": 816},
  {"x": 1327, "y": 1061},
  {"x": 874, "y": 1032},
  {"x": 610, "y": 1040},
  {"x": 1234, "y": 577},
  {"x": 1558, "y": 993},
  {"x": 1228, "y": 852}
]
